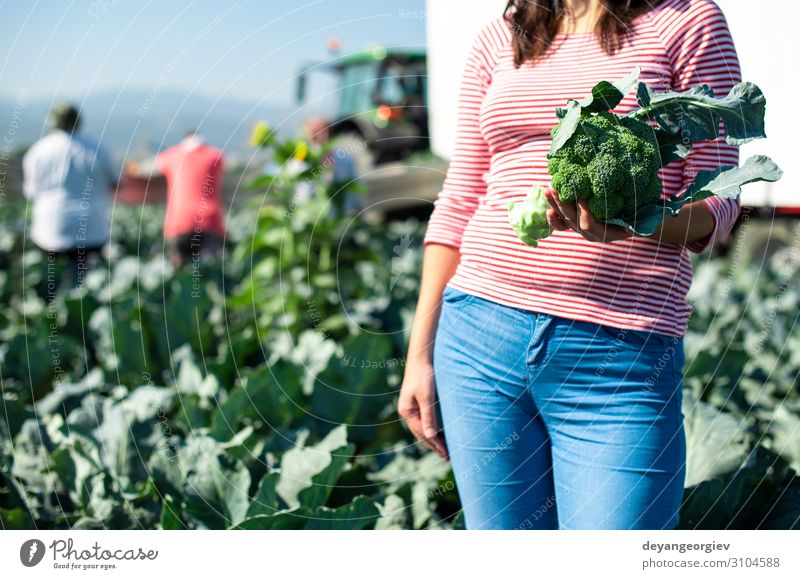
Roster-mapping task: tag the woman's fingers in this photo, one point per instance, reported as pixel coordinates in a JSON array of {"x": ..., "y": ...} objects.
[
  {"x": 417, "y": 416},
  {"x": 430, "y": 429},
  {"x": 414, "y": 422},
  {"x": 555, "y": 221},
  {"x": 595, "y": 230},
  {"x": 588, "y": 226},
  {"x": 565, "y": 211},
  {"x": 578, "y": 217}
]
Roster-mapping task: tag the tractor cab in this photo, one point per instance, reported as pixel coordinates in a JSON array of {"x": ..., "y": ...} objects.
[{"x": 382, "y": 101}]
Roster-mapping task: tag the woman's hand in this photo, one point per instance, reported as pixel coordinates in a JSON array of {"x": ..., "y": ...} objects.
[
  {"x": 417, "y": 406},
  {"x": 576, "y": 216}
]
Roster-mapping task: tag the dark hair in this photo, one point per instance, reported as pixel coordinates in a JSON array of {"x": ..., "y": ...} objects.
[
  {"x": 65, "y": 116},
  {"x": 535, "y": 23}
]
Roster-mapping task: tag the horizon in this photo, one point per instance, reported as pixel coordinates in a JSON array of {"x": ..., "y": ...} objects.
[{"x": 237, "y": 60}]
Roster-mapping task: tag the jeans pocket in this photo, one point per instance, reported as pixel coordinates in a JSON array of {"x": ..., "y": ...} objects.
[
  {"x": 452, "y": 295},
  {"x": 639, "y": 339}
]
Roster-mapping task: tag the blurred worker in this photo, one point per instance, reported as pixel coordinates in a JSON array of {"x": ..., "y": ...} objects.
[
  {"x": 68, "y": 177},
  {"x": 343, "y": 170},
  {"x": 194, "y": 226}
]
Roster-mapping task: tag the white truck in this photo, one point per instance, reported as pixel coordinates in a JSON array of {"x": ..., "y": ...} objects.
[{"x": 764, "y": 37}]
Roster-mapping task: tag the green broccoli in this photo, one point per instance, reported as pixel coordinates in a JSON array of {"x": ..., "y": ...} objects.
[
  {"x": 529, "y": 217},
  {"x": 610, "y": 161}
]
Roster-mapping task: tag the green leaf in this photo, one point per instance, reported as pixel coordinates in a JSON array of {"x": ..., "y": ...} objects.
[
  {"x": 284, "y": 521},
  {"x": 353, "y": 389},
  {"x": 132, "y": 429},
  {"x": 671, "y": 146},
  {"x": 393, "y": 514},
  {"x": 784, "y": 429},
  {"x": 171, "y": 518},
  {"x": 570, "y": 118},
  {"x": 696, "y": 113},
  {"x": 359, "y": 514},
  {"x": 717, "y": 443},
  {"x": 419, "y": 477},
  {"x": 265, "y": 394},
  {"x": 606, "y": 96},
  {"x": 260, "y": 182},
  {"x": 725, "y": 182},
  {"x": 266, "y": 500},
  {"x": 741, "y": 499},
  {"x": 216, "y": 486},
  {"x": 308, "y": 474},
  {"x": 16, "y": 520}
]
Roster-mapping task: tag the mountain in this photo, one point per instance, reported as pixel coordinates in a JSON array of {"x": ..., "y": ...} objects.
[{"x": 135, "y": 123}]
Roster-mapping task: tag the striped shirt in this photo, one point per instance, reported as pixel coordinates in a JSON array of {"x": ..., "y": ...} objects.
[{"x": 504, "y": 122}]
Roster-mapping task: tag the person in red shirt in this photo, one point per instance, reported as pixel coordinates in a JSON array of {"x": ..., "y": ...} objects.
[{"x": 194, "y": 226}]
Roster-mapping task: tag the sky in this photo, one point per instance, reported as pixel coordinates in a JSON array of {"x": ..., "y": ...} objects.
[{"x": 243, "y": 49}]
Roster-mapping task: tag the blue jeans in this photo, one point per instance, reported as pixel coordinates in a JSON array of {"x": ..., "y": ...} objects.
[{"x": 555, "y": 423}]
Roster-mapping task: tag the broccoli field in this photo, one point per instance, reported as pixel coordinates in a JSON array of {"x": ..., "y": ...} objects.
[{"x": 261, "y": 394}]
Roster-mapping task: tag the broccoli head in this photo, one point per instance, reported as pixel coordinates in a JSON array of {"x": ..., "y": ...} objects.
[{"x": 610, "y": 161}]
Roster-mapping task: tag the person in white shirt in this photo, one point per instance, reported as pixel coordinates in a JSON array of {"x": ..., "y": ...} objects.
[{"x": 68, "y": 178}]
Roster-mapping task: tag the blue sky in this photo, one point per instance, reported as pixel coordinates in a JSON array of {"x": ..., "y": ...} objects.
[{"x": 248, "y": 49}]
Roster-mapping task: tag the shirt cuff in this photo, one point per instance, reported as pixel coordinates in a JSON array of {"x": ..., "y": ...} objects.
[{"x": 724, "y": 213}]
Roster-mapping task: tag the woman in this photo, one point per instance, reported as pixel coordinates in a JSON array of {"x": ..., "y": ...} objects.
[{"x": 558, "y": 368}]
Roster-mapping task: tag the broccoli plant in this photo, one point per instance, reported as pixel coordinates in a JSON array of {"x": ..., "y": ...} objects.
[{"x": 612, "y": 161}]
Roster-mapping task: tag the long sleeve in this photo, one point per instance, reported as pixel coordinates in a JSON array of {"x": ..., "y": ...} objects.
[
  {"x": 464, "y": 184},
  {"x": 701, "y": 49},
  {"x": 29, "y": 175}
]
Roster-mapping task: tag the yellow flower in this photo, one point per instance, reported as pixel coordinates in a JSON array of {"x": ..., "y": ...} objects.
[
  {"x": 261, "y": 135},
  {"x": 301, "y": 152}
]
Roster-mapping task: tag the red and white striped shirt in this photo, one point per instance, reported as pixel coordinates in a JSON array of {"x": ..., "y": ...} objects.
[{"x": 504, "y": 123}]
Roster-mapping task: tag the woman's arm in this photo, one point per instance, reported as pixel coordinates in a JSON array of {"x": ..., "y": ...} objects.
[
  {"x": 438, "y": 265},
  {"x": 693, "y": 224},
  {"x": 463, "y": 188},
  {"x": 418, "y": 394}
]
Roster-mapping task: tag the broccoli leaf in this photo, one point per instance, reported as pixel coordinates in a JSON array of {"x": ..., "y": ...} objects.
[
  {"x": 604, "y": 97},
  {"x": 671, "y": 146},
  {"x": 570, "y": 117},
  {"x": 695, "y": 113},
  {"x": 725, "y": 182}
]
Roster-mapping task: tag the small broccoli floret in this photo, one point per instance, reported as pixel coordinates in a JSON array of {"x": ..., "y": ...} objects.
[
  {"x": 572, "y": 182},
  {"x": 582, "y": 150},
  {"x": 604, "y": 208},
  {"x": 639, "y": 178},
  {"x": 641, "y": 196},
  {"x": 612, "y": 162},
  {"x": 640, "y": 129},
  {"x": 607, "y": 174}
]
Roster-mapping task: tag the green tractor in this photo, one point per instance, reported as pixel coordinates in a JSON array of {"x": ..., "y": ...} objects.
[{"x": 382, "y": 112}]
